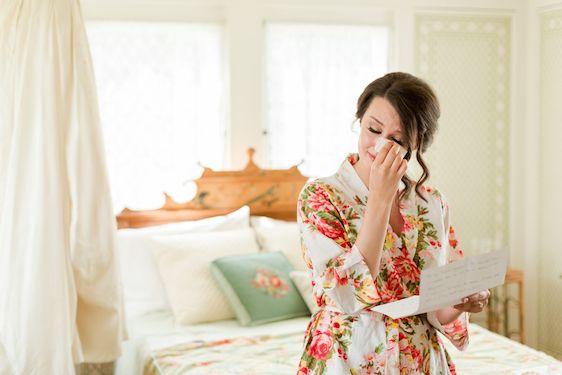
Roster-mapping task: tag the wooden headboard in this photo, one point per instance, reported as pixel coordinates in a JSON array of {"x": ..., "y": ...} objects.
[{"x": 268, "y": 192}]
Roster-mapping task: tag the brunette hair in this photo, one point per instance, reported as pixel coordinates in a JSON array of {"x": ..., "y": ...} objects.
[{"x": 418, "y": 108}]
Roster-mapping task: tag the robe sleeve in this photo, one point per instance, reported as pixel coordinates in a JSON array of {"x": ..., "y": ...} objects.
[
  {"x": 457, "y": 330},
  {"x": 337, "y": 266}
]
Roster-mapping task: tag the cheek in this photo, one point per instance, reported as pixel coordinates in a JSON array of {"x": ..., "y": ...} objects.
[
  {"x": 366, "y": 141},
  {"x": 361, "y": 142}
]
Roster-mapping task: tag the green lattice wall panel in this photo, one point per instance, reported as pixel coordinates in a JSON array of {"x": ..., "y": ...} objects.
[
  {"x": 550, "y": 281},
  {"x": 467, "y": 60}
]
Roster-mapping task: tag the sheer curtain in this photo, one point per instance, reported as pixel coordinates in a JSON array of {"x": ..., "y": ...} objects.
[
  {"x": 315, "y": 74},
  {"x": 60, "y": 293},
  {"x": 162, "y": 106}
]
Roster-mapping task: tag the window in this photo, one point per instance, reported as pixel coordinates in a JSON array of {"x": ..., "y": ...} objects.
[
  {"x": 160, "y": 87},
  {"x": 314, "y": 76}
]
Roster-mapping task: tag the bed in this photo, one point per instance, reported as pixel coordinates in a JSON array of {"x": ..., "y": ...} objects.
[{"x": 162, "y": 336}]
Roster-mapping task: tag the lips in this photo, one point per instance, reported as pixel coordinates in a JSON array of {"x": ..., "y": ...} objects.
[{"x": 371, "y": 152}]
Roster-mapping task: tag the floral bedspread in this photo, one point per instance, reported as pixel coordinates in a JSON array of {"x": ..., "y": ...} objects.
[{"x": 487, "y": 353}]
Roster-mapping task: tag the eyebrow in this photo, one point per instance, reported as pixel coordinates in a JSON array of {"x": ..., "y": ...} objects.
[{"x": 399, "y": 132}]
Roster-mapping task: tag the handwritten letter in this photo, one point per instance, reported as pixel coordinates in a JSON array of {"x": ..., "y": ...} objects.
[{"x": 447, "y": 285}]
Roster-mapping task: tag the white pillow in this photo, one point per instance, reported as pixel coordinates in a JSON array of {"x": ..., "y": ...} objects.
[
  {"x": 142, "y": 286},
  {"x": 303, "y": 282},
  {"x": 280, "y": 235},
  {"x": 184, "y": 262}
]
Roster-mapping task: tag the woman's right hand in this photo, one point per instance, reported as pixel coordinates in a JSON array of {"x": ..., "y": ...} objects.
[{"x": 387, "y": 170}]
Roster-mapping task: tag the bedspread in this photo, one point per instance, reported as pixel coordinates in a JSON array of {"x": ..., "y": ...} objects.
[{"x": 488, "y": 353}]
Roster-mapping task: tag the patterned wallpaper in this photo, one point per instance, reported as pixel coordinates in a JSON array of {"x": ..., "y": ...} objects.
[
  {"x": 550, "y": 282},
  {"x": 467, "y": 61}
]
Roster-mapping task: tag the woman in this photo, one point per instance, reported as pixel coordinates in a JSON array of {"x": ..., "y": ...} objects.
[{"x": 366, "y": 236}]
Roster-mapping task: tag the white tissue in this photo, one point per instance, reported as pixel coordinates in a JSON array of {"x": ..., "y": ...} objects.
[{"x": 382, "y": 141}]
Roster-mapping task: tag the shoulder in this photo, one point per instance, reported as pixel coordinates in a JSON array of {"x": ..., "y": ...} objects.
[
  {"x": 320, "y": 207},
  {"x": 434, "y": 195},
  {"x": 321, "y": 197},
  {"x": 319, "y": 189}
]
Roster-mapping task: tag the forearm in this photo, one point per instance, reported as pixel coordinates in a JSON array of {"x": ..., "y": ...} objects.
[
  {"x": 371, "y": 236},
  {"x": 447, "y": 315}
]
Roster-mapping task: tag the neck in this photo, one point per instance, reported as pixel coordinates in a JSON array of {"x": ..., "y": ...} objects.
[{"x": 362, "y": 172}]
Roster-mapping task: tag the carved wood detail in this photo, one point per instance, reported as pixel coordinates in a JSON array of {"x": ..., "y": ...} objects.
[{"x": 268, "y": 192}]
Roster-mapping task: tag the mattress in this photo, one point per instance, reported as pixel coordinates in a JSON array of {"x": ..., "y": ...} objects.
[{"x": 158, "y": 348}]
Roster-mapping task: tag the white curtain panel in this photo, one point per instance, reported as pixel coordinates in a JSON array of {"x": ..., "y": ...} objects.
[
  {"x": 161, "y": 91},
  {"x": 315, "y": 74},
  {"x": 60, "y": 297}
]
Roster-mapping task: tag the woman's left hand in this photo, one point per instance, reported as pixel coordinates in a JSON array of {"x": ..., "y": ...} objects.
[{"x": 474, "y": 303}]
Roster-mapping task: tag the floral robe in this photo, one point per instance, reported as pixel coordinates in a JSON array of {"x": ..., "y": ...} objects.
[{"x": 345, "y": 336}]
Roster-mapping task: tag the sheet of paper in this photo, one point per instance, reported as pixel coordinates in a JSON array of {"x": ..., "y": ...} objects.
[{"x": 447, "y": 285}]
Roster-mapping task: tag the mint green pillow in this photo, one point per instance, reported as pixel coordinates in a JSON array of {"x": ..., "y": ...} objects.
[{"x": 258, "y": 287}]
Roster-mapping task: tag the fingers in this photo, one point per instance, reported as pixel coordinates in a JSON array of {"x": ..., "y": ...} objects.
[
  {"x": 475, "y": 302},
  {"x": 388, "y": 167},
  {"x": 403, "y": 168},
  {"x": 472, "y": 298},
  {"x": 462, "y": 307},
  {"x": 471, "y": 307},
  {"x": 383, "y": 153},
  {"x": 480, "y": 296},
  {"x": 396, "y": 162},
  {"x": 392, "y": 157}
]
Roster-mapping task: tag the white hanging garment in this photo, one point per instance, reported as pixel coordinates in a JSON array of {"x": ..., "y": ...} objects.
[{"x": 60, "y": 293}]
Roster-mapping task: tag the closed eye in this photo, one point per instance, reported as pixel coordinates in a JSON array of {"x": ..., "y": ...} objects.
[{"x": 378, "y": 132}]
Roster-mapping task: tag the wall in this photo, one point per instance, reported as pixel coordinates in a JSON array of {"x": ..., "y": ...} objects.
[{"x": 550, "y": 199}]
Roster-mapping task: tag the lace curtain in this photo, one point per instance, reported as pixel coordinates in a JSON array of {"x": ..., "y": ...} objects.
[
  {"x": 161, "y": 99},
  {"x": 314, "y": 76}
]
